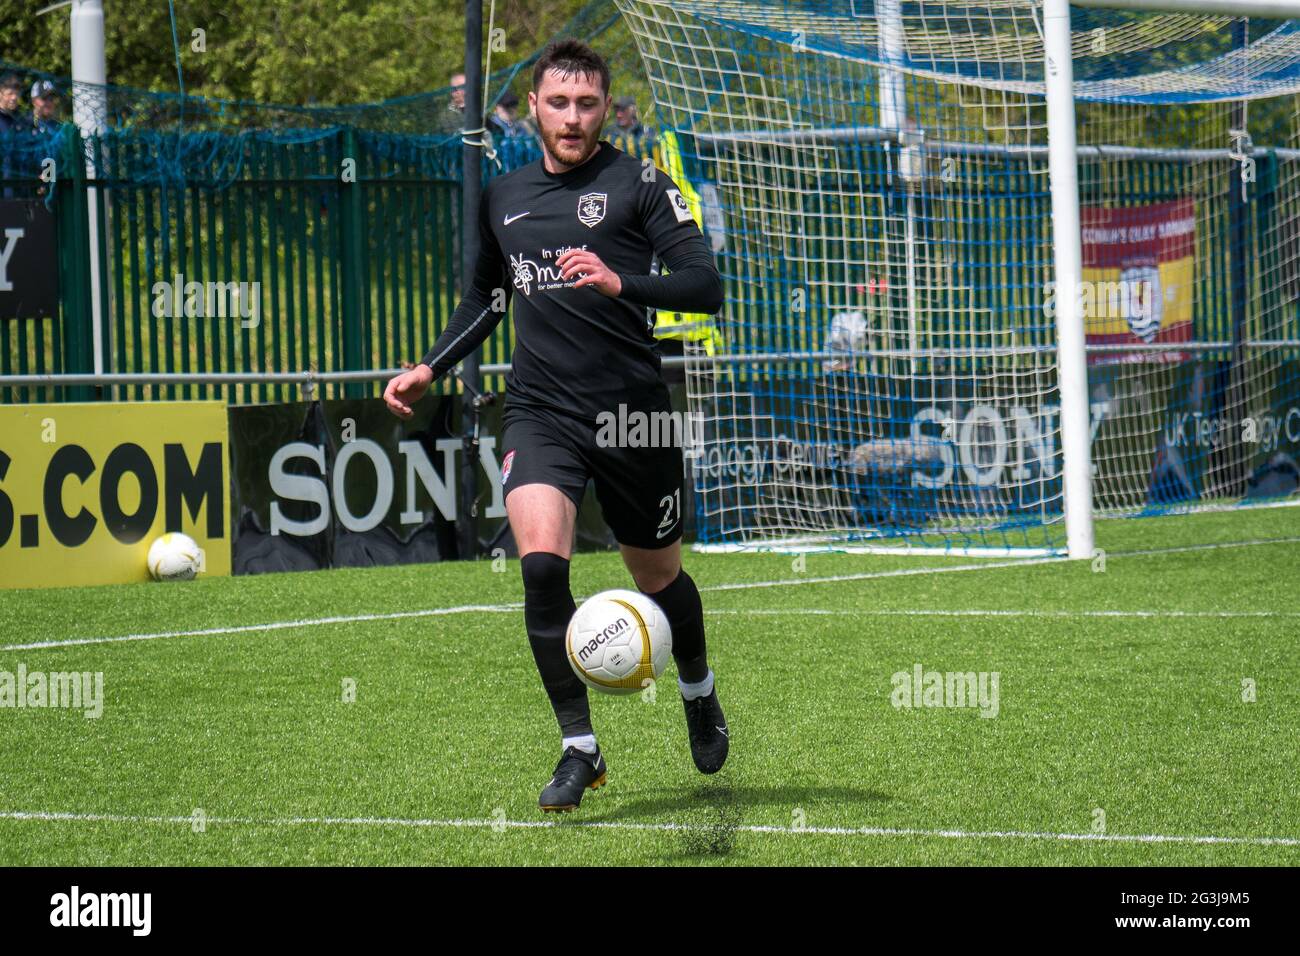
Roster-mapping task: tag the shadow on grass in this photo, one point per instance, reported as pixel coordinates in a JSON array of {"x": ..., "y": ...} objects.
[
  {"x": 665, "y": 804},
  {"x": 708, "y": 816}
]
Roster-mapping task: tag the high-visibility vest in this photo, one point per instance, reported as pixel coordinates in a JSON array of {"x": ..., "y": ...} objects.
[{"x": 689, "y": 326}]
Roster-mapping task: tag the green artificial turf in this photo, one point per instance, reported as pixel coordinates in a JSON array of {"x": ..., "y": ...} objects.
[{"x": 442, "y": 754}]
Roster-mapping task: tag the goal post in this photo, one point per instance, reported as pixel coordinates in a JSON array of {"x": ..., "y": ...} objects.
[
  {"x": 993, "y": 268},
  {"x": 1072, "y": 366},
  {"x": 1067, "y": 250}
]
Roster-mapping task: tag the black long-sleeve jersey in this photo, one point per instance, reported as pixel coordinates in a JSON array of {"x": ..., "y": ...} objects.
[{"x": 577, "y": 351}]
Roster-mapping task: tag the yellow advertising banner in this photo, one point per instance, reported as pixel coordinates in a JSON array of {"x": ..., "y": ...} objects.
[{"x": 86, "y": 488}]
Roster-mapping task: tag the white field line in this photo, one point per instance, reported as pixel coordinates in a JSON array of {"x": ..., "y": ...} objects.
[
  {"x": 739, "y": 586},
  {"x": 992, "y": 612},
  {"x": 1212, "y": 546},
  {"x": 821, "y": 546},
  {"x": 272, "y": 626},
  {"x": 989, "y": 565},
  {"x": 488, "y": 824},
  {"x": 755, "y": 612}
]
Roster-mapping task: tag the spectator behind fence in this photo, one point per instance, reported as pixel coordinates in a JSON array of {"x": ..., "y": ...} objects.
[
  {"x": 453, "y": 121},
  {"x": 45, "y": 107},
  {"x": 627, "y": 131},
  {"x": 11, "y": 91},
  {"x": 626, "y": 121},
  {"x": 506, "y": 121},
  {"x": 514, "y": 138}
]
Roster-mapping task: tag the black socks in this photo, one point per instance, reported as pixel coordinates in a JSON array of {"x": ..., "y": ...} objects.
[
  {"x": 548, "y": 606},
  {"x": 681, "y": 603}
]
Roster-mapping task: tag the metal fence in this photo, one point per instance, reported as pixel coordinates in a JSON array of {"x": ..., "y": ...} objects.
[{"x": 239, "y": 252}]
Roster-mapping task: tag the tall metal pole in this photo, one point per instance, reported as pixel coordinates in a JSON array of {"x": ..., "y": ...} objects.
[
  {"x": 1067, "y": 247},
  {"x": 471, "y": 190},
  {"x": 90, "y": 113}
]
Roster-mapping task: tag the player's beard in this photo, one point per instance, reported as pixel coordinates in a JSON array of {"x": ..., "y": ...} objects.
[{"x": 571, "y": 152}]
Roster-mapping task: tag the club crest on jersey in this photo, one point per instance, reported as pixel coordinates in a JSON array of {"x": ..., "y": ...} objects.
[
  {"x": 505, "y": 466},
  {"x": 591, "y": 208}
]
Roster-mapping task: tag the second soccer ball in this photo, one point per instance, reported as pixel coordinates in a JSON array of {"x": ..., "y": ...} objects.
[
  {"x": 174, "y": 557},
  {"x": 618, "y": 641}
]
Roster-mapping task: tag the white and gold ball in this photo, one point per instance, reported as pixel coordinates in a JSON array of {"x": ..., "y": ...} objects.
[
  {"x": 174, "y": 557},
  {"x": 618, "y": 641}
]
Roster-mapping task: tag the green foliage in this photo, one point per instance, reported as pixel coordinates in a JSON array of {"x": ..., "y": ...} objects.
[{"x": 290, "y": 51}]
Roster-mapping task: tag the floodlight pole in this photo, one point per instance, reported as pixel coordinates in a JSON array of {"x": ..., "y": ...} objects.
[
  {"x": 471, "y": 190},
  {"x": 90, "y": 113}
]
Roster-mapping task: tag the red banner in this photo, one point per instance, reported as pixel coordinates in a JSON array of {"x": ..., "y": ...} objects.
[{"x": 1138, "y": 271}]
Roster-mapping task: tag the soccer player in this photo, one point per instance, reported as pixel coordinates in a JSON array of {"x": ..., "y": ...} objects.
[{"x": 572, "y": 238}]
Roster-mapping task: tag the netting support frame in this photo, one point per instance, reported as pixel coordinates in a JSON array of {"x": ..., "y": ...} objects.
[{"x": 1273, "y": 9}]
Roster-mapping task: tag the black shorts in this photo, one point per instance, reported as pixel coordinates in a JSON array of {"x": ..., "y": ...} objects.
[{"x": 639, "y": 488}]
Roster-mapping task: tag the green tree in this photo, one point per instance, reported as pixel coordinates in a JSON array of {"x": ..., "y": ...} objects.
[{"x": 282, "y": 51}]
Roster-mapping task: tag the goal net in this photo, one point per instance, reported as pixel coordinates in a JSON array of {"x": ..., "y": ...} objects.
[{"x": 874, "y": 180}]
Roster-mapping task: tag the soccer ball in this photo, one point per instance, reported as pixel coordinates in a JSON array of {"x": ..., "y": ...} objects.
[
  {"x": 174, "y": 557},
  {"x": 618, "y": 641}
]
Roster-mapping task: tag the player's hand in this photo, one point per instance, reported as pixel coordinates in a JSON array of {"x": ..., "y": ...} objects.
[
  {"x": 406, "y": 389},
  {"x": 594, "y": 272}
]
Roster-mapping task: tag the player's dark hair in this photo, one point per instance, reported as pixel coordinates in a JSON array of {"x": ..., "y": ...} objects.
[{"x": 570, "y": 56}]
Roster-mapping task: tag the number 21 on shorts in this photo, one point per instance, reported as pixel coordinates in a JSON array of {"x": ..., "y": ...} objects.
[{"x": 672, "y": 505}]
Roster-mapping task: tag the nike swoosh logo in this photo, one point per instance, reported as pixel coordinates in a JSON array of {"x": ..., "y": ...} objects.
[
  {"x": 723, "y": 729},
  {"x": 668, "y": 530},
  {"x": 509, "y": 219}
]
